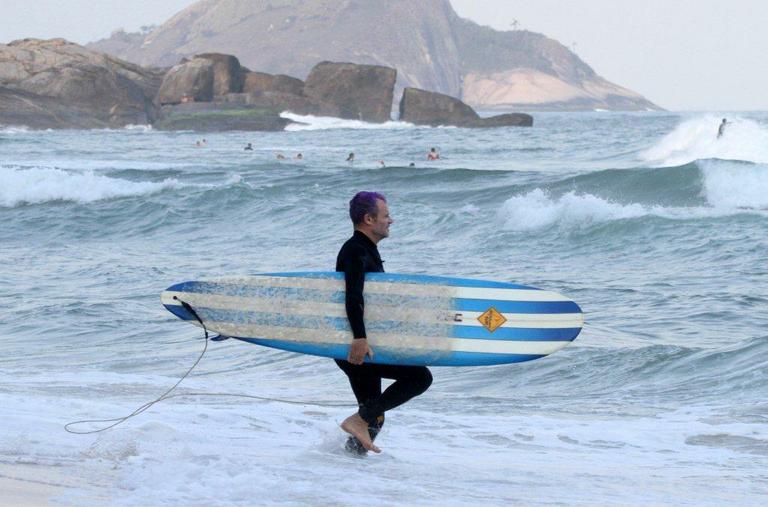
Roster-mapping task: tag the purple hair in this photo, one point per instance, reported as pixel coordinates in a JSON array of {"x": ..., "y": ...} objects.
[{"x": 364, "y": 203}]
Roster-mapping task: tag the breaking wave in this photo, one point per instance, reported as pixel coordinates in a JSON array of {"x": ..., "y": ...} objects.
[
  {"x": 309, "y": 122},
  {"x": 40, "y": 185},
  {"x": 696, "y": 139},
  {"x": 706, "y": 189}
]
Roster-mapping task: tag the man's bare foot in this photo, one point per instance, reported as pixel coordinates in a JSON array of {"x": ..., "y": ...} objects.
[{"x": 358, "y": 428}]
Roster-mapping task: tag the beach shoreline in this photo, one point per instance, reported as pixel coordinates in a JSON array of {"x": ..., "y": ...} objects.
[{"x": 23, "y": 485}]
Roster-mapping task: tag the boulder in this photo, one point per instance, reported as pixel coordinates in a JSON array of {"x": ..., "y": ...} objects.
[
  {"x": 261, "y": 82},
  {"x": 190, "y": 81},
  {"x": 20, "y": 108},
  {"x": 505, "y": 120},
  {"x": 288, "y": 84},
  {"x": 359, "y": 92},
  {"x": 55, "y": 83},
  {"x": 279, "y": 102},
  {"x": 257, "y": 82},
  {"x": 421, "y": 107},
  {"x": 227, "y": 73}
]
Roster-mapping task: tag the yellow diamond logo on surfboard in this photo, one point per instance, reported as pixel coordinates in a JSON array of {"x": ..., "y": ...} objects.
[{"x": 491, "y": 319}]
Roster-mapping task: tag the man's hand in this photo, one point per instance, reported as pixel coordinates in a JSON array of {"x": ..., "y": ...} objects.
[{"x": 358, "y": 350}]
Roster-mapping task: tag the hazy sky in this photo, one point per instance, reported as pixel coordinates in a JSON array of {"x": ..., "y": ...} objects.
[{"x": 680, "y": 54}]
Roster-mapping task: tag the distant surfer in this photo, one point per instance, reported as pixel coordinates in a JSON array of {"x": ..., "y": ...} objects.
[
  {"x": 433, "y": 154},
  {"x": 350, "y": 158},
  {"x": 279, "y": 156},
  {"x": 248, "y": 147},
  {"x": 299, "y": 156},
  {"x": 721, "y": 128},
  {"x": 370, "y": 216}
]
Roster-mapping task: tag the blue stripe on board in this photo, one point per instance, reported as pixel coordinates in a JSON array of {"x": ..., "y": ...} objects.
[
  {"x": 395, "y": 327},
  {"x": 484, "y": 359},
  {"x": 180, "y": 312},
  {"x": 405, "y": 278},
  {"x": 531, "y": 334},
  {"x": 481, "y": 305},
  {"x": 388, "y": 356}
]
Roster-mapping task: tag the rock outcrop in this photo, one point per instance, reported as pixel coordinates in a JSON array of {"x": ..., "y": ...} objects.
[
  {"x": 261, "y": 82},
  {"x": 20, "y": 108},
  {"x": 358, "y": 92},
  {"x": 190, "y": 81},
  {"x": 58, "y": 84},
  {"x": 422, "y": 107},
  {"x": 342, "y": 90},
  {"x": 505, "y": 120},
  {"x": 202, "y": 78},
  {"x": 431, "y": 47},
  {"x": 227, "y": 73}
]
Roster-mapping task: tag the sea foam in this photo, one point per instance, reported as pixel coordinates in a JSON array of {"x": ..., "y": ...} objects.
[
  {"x": 39, "y": 185},
  {"x": 309, "y": 122},
  {"x": 13, "y": 129},
  {"x": 735, "y": 185}
]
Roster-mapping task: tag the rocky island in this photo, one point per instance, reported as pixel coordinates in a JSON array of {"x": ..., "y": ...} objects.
[
  {"x": 235, "y": 65},
  {"x": 58, "y": 84}
]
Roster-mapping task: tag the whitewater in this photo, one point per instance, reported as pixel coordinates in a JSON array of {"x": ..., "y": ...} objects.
[{"x": 653, "y": 225}]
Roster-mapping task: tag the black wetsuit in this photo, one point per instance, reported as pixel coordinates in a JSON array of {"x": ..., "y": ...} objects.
[
  {"x": 721, "y": 129},
  {"x": 358, "y": 256}
]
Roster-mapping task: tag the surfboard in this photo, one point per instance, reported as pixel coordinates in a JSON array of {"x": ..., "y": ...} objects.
[{"x": 409, "y": 319}]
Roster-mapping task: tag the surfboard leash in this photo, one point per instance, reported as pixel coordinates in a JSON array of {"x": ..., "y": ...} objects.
[{"x": 167, "y": 394}]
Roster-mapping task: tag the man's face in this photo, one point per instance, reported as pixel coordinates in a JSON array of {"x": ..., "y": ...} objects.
[{"x": 379, "y": 224}]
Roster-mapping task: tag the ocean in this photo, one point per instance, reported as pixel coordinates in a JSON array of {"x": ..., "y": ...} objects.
[{"x": 655, "y": 227}]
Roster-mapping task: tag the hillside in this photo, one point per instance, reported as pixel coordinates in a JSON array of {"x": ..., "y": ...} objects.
[{"x": 427, "y": 42}]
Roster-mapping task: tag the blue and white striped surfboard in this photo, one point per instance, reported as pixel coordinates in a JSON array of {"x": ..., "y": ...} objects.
[{"x": 409, "y": 319}]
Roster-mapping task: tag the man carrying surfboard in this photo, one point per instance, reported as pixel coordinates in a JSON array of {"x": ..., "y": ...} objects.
[{"x": 370, "y": 216}]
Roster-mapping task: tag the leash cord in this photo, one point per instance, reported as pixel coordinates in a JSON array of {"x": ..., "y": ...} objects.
[{"x": 167, "y": 394}]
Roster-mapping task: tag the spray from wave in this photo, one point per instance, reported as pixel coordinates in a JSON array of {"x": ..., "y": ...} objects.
[
  {"x": 138, "y": 127},
  {"x": 13, "y": 129},
  {"x": 696, "y": 139},
  {"x": 40, "y": 185},
  {"x": 309, "y": 122},
  {"x": 735, "y": 185}
]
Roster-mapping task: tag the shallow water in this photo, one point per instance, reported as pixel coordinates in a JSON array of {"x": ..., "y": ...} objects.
[{"x": 657, "y": 229}]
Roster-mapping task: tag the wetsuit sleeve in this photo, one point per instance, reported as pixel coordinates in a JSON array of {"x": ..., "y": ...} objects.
[{"x": 354, "y": 276}]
